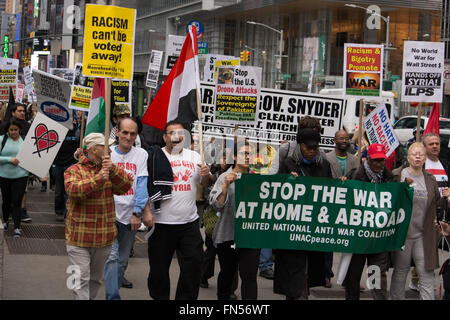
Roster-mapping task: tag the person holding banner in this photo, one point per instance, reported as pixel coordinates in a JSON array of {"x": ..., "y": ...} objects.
[
  {"x": 90, "y": 223},
  {"x": 297, "y": 270},
  {"x": 422, "y": 238},
  {"x": 372, "y": 170},
  {"x": 232, "y": 259},
  {"x": 13, "y": 179}
]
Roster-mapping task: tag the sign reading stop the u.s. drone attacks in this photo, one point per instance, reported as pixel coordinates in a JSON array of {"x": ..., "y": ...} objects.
[{"x": 109, "y": 42}]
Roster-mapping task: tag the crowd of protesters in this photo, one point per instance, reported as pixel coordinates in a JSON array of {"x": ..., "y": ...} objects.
[{"x": 105, "y": 197}]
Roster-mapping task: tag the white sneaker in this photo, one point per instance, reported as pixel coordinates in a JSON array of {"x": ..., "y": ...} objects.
[
  {"x": 413, "y": 287},
  {"x": 17, "y": 233},
  {"x": 142, "y": 228}
]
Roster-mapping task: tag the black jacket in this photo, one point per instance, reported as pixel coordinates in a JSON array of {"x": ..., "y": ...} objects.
[
  {"x": 64, "y": 157},
  {"x": 361, "y": 175}
]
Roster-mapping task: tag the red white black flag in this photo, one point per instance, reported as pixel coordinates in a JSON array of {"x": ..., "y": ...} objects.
[{"x": 177, "y": 97}]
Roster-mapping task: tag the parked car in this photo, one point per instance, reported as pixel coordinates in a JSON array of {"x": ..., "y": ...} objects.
[
  {"x": 403, "y": 128},
  {"x": 351, "y": 114}
]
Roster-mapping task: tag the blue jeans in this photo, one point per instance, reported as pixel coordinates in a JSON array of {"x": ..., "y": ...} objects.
[
  {"x": 265, "y": 259},
  {"x": 117, "y": 262}
]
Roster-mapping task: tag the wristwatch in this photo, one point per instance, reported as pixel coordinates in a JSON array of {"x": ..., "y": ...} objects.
[{"x": 137, "y": 214}]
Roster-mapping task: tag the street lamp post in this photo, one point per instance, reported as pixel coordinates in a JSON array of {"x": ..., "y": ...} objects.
[
  {"x": 281, "y": 44},
  {"x": 386, "y": 46}
]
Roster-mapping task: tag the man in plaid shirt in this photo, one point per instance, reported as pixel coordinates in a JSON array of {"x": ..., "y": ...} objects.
[{"x": 90, "y": 222}]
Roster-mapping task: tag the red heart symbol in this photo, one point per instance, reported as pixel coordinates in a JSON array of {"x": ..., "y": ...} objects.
[{"x": 45, "y": 139}]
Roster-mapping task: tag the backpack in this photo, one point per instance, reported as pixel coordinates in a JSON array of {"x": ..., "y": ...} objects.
[{"x": 5, "y": 138}]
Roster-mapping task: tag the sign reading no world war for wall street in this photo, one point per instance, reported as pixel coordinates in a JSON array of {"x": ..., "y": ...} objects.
[
  {"x": 237, "y": 93},
  {"x": 319, "y": 214},
  {"x": 363, "y": 70},
  {"x": 379, "y": 129},
  {"x": 423, "y": 68},
  {"x": 109, "y": 42}
]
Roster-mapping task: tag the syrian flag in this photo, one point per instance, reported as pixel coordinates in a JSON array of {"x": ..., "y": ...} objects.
[
  {"x": 433, "y": 121},
  {"x": 177, "y": 97},
  {"x": 96, "y": 116}
]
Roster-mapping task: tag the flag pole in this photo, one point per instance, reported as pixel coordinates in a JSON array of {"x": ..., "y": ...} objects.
[
  {"x": 419, "y": 115},
  {"x": 83, "y": 122},
  {"x": 361, "y": 109},
  {"x": 200, "y": 126},
  {"x": 107, "y": 114}
]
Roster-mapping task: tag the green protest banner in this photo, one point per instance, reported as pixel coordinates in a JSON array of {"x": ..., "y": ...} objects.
[{"x": 319, "y": 214}]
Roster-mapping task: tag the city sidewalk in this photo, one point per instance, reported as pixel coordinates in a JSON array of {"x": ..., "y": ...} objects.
[{"x": 35, "y": 265}]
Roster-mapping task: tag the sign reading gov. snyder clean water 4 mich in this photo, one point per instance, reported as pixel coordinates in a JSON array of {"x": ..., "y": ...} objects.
[
  {"x": 423, "y": 69},
  {"x": 320, "y": 214},
  {"x": 278, "y": 115},
  {"x": 109, "y": 42}
]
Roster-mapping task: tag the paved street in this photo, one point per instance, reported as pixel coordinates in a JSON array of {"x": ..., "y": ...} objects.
[{"x": 35, "y": 264}]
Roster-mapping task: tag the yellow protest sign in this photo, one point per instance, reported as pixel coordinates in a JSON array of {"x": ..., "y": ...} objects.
[
  {"x": 219, "y": 63},
  {"x": 108, "y": 42}
]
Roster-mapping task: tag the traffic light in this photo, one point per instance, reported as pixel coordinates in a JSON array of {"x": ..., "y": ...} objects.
[
  {"x": 244, "y": 56},
  {"x": 248, "y": 55}
]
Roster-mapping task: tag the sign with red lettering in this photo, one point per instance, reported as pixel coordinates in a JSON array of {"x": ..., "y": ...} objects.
[
  {"x": 363, "y": 70},
  {"x": 379, "y": 129}
]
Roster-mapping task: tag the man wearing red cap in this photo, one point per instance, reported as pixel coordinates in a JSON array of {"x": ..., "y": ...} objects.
[{"x": 373, "y": 170}]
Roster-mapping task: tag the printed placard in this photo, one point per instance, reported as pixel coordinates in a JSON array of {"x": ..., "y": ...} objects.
[
  {"x": 379, "y": 129},
  {"x": 8, "y": 77},
  {"x": 237, "y": 95},
  {"x": 209, "y": 71},
  {"x": 423, "y": 69},
  {"x": 363, "y": 70},
  {"x": 41, "y": 145},
  {"x": 153, "y": 69},
  {"x": 53, "y": 96},
  {"x": 173, "y": 49},
  {"x": 108, "y": 50}
]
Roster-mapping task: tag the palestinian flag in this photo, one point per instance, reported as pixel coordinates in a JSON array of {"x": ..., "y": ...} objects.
[
  {"x": 177, "y": 97},
  {"x": 96, "y": 116}
]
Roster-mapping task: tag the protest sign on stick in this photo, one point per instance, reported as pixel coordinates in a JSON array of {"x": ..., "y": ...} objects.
[
  {"x": 363, "y": 70},
  {"x": 237, "y": 95},
  {"x": 41, "y": 145},
  {"x": 109, "y": 41},
  {"x": 53, "y": 96}
]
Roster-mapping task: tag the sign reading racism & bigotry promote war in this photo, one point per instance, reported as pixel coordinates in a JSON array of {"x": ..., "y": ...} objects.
[
  {"x": 237, "y": 93},
  {"x": 363, "y": 70},
  {"x": 109, "y": 41},
  {"x": 320, "y": 214},
  {"x": 423, "y": 68},
  {"x": 379, "y": 129},
  {"x": 53, "y": 96}
]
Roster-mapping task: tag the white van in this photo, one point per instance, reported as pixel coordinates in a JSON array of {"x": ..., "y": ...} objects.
[{"x": 351, "y": 112}]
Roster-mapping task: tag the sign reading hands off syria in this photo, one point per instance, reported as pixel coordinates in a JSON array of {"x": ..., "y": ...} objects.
[{"x": 108, "y": 42}]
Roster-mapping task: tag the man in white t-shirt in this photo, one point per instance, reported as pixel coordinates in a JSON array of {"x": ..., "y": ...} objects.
[
  {"x": 435, "y": 165},
  {"x": 177, "y": 224},
  {"x": 128, "y": 206}
]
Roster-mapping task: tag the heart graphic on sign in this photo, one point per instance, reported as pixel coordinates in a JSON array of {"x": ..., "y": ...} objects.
[{"x": 44, "y": 138}]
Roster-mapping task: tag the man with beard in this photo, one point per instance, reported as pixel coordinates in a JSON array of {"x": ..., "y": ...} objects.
[{"x": 341, "y": 163}]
